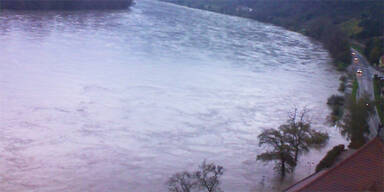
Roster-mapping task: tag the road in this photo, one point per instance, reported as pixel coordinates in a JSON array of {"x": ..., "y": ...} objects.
[{"x": 366, "y": 88}]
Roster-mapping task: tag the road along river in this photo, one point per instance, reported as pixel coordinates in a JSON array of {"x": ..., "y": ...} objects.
[{"x": 121, "y": 100}]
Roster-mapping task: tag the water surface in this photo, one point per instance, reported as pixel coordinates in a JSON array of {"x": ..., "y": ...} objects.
[{"x": 121, "y": 100}]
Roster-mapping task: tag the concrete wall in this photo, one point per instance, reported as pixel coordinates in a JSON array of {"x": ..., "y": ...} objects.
[{"x": 64, "y": 4}]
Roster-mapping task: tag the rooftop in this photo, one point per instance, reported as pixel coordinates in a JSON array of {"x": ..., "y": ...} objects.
[{"x": 362, "y": 170}]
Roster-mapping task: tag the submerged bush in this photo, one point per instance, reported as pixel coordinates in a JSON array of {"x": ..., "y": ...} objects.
[
  {"x": 335, "y": 100},
  {"x": 336, "y": 103},
  {"x": 330, "y": 158}
]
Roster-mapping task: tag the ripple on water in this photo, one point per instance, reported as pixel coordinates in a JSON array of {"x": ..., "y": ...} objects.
[{"x": 120, "y": 100}]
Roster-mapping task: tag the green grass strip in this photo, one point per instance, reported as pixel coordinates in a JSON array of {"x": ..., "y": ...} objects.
[
  {"x": 378, "y": 100},
  {"x": 355, "y": 86}
]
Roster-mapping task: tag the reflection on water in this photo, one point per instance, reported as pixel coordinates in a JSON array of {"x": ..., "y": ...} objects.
[{"x": 120, "y": 100}]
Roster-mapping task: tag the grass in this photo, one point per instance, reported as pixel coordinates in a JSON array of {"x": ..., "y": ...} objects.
[
  {"x": 355, "y": 86},
  {"x": 378, "y": 100}
]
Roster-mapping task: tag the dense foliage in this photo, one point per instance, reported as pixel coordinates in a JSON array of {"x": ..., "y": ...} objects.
[
  {"x": 330, "y": 158},
  {"x": 355, "y": 123},
  {"x": 374, "y": 49},
  {"x": 329, "y": 21},
  {"x": 378, "y": 85}
]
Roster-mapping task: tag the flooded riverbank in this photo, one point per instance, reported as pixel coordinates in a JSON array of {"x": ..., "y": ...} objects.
[{"x": 121, "y": 100}]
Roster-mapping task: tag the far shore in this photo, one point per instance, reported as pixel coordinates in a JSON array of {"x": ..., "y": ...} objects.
[{"x": 64, "y": 4}]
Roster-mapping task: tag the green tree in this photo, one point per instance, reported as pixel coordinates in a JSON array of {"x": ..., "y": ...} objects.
[
  {"x": 300, "y": 136},
  {"x": 355, "y": 123},
  {"x": 374, "y": 55},
  {"x": 374, "y": 49},
  {"x": 281, "y": 152}
]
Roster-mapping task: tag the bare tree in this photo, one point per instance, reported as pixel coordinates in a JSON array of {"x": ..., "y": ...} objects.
[
  {"x": 209, "y": 175},
  {"x": 300, "y": 136},
  {"x": 281, "y": 153},
  {"x": 181, "y": 182}
]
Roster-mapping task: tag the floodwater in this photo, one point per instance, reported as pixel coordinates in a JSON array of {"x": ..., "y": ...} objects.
[{"x": 120, "y": 100}]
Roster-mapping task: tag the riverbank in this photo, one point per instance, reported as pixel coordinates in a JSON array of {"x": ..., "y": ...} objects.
[{"x": 64, "y": 4}]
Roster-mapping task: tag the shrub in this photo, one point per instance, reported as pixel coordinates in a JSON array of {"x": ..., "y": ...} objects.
[
  {"x": 335, "y": 100},
  {"x": 336, "y": 103},
  {"x": 330, "y": 158},
  {"x": 343, "y": 79},
  {"x": 342, "y": 87}
]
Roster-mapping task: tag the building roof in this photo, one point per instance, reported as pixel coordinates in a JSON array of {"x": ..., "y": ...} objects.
[{"x": 361, "y": 171}]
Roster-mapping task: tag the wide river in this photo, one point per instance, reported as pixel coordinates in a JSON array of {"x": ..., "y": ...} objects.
[{"x": 106, "y": 101}]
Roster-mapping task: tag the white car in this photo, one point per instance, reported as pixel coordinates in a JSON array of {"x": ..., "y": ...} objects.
[{"x": 359, "y": 72}]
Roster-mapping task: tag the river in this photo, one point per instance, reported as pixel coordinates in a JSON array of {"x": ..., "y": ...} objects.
[{"x": 120, "y": 100}]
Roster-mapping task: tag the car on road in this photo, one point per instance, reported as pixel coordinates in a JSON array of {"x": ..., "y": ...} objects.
[
  {"x": 359, "y": 72},
  {"x": 355, "y": 59},
  {"x": 353, "y": 53}
]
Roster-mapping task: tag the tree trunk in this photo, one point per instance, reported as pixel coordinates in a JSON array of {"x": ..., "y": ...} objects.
[{"x": 296, "y": 155}]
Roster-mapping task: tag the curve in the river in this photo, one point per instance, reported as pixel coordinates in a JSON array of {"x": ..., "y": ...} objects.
[{"x": 121, "y": 100}]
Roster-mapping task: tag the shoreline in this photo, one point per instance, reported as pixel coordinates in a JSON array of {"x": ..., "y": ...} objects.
[{"x": 64, "y": 4}]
